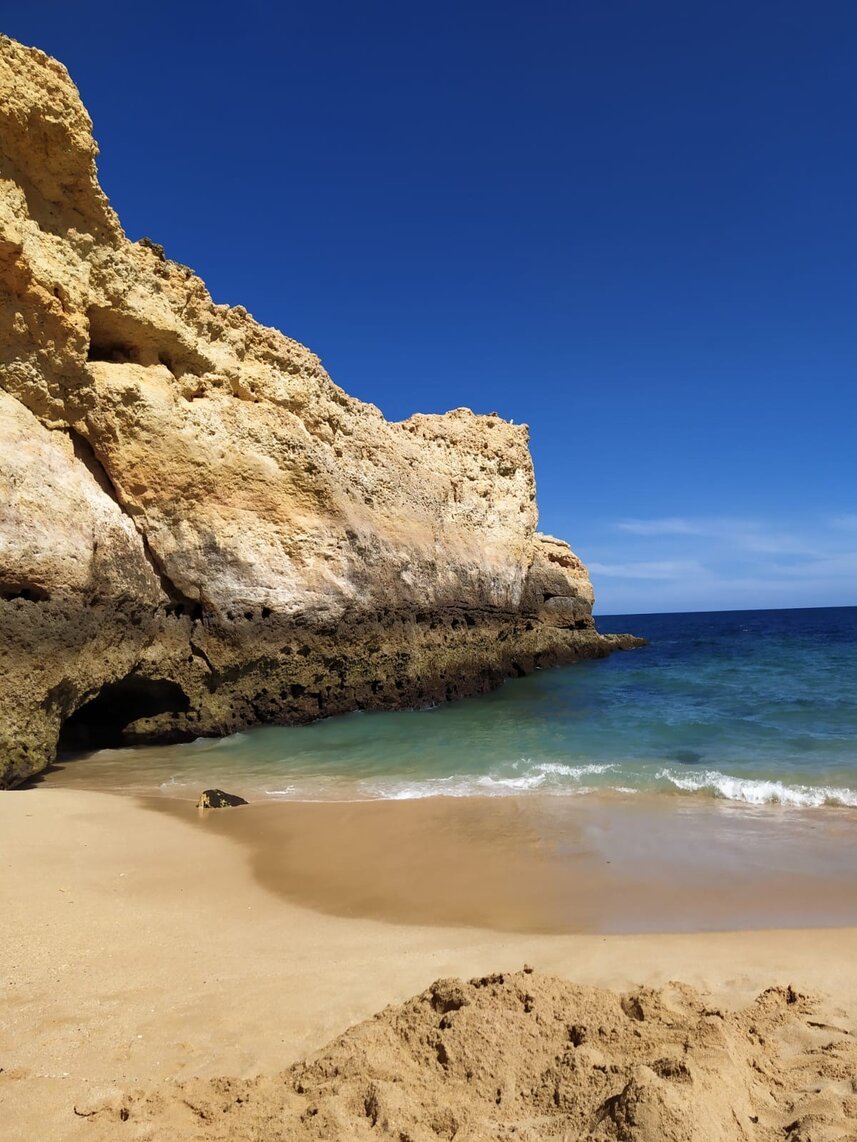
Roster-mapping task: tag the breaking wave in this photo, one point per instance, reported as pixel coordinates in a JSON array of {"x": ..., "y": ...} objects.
[
  {"x": 545, "y": 776},
  {"x": 759, "y": 791},
  {"x": 558, "y": 779}
]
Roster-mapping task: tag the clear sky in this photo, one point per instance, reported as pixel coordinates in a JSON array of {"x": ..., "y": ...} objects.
[{"x": 628, "y": 223}]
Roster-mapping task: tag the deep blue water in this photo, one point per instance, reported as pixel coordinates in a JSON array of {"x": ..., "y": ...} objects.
[{"x": 752, "y": 706}]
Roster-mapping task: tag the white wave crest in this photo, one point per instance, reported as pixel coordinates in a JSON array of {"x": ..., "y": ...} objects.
[
  {"x": 758, "y": 791},
  {"x": 176, "y": 782},
  {"x": 543, "y": 777},
  {"x": 393, "y": 790},
  {"x": 557, "y": 769},
  {"x": 556, "y": 778}
]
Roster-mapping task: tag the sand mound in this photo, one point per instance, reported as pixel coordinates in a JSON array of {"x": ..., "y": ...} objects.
[{"x": 523, "y": 1056}]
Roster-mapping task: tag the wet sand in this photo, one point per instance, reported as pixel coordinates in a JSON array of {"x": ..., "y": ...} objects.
[
  {"x": 603, "y": 864},
  {"x": 137, "y": 947}
]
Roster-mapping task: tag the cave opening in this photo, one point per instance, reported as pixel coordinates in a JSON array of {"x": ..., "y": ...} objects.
[
  {"x": 122, "y": 338},
  {"x": 117, "y": 352},
  {"x": 101, "y": 723},
  {"x": 29, "y": 592}
]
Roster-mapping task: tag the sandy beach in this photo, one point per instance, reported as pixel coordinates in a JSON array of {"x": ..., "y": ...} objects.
[
  {"x": 138, "y": 951},
  {"x": 522, "y": 642}
]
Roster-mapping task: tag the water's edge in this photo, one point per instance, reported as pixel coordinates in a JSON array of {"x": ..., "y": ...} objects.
[{"x": 755, "y": 708}]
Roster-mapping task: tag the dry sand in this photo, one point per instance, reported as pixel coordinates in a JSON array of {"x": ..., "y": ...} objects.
[{"x": 139, "y": 954}]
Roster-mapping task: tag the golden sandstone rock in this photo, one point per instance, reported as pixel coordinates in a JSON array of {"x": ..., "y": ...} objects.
[{"x": 199, "y": 530}]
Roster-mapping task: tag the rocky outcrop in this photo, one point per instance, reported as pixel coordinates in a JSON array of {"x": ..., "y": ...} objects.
[
  {"x": 198, "y": 529},
  {"x": 217, "y": 799}
]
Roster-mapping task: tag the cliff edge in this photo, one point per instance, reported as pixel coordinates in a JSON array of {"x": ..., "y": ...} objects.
[{"x": 199, "y": 531}]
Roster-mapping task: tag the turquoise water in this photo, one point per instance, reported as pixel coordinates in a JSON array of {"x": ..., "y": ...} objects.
[{"x": 757, "y": 707}]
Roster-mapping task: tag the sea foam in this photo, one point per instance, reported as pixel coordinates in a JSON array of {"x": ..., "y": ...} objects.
[
  {"x": 758, "y": 791},
  {"x": 545, "y": 776}
]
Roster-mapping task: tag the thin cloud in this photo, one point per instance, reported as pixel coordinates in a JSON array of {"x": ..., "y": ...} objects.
[
  {"x": 654, "y": 569},
  {"x": 673, "y": 525},
  {"x": 770, "y": 543},
  {"x": 721, "y": 562},
  {"x": 744, "y": 534},
  {"x": 840, "y": 565}
]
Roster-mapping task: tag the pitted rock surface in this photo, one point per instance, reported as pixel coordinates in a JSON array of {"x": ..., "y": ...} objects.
[{"x": 199, "y": 530}]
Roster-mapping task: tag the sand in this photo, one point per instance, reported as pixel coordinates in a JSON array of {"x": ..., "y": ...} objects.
[
  {"x": 552, "y": 864},
  {"x": 139, "y": 954}
]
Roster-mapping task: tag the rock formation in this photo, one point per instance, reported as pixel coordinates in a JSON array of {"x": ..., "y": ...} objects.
[
  {"x": 198, "y": 529},
  {"x": 217, "y": 799}
]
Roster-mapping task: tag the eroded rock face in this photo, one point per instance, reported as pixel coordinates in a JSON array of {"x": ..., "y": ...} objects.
[{"x": 198, "y": 529}]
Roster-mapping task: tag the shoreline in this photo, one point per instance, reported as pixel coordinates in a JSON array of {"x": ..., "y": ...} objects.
[
  {"x": 598, "y": 865},
  {"x": 137, "y": 950},
  {"x": 544, "y": 862}
]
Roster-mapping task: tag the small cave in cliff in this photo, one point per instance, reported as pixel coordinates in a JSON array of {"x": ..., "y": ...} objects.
[
  {"x": 102, "y": 721},
  {"x": 121, "y": 338},
  {"x": 28, "y": 592}
]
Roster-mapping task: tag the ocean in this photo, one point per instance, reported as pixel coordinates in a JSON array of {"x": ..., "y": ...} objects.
[{"x": 750, "y": 707}]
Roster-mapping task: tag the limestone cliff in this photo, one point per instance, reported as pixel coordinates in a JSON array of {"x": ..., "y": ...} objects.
[{"x": 198, "y": 529}]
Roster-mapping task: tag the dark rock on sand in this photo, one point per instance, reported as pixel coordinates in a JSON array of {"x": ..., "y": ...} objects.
[{"x": 217, "y": 799}]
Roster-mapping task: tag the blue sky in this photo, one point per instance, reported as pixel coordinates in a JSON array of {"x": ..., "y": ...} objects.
[{"x": 629, "y": 225}]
